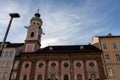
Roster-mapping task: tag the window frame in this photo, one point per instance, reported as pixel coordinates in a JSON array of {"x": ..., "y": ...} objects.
[
  {"x": 107, "y": 57},
  {"x": 25, "y": 77},
  {"x": 6, "y": 53},
  {"x": 78, "y": 76},
  {"x": 11, "y": 54},
  {"x": 104, "y": 45},
  {"x": 117, "y": 56},
  {"x": 32, "y": 34},
  {"x": 64, "y": 77},
  {"x": 39, "y": 77},
  {"x": 114, "y": 45}
]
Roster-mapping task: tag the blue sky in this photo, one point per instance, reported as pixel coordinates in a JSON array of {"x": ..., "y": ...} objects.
[{"x": 65, "y": 22}]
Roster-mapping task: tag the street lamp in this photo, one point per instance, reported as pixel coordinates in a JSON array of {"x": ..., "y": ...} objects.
[{"x": 12, "y": 15}]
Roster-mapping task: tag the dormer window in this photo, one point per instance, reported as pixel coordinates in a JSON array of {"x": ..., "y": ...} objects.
[
  {"x": 32, "y": 34},
  {"x": 50, "y": 48},
  {"x": 81, "y": 47}
]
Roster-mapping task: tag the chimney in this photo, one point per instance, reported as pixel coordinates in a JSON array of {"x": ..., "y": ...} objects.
[{"x": 109, "y": 35}]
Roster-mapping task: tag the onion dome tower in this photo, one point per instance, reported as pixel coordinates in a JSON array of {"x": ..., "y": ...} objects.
[{"x": 34, "y": 32}]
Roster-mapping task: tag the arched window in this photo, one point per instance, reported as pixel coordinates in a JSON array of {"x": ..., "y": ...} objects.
[
  {"x": 32, "y": 34},
  {"x": 66, "y": 77},
  {"x": 39, "y": 77},
  {"x": 25, "y": 77},
  {"x": 79, "y": 77}
]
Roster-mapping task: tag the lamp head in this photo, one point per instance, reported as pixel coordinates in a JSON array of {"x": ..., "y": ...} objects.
[{"x": 14, "y": 15}]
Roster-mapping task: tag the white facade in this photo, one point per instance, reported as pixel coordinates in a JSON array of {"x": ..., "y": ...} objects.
[
  {"x": 7, "y": 59},
  {"x": 6, "y": 63}
]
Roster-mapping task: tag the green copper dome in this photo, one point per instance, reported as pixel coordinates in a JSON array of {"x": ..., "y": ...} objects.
[{"x": 37, "y": 17}]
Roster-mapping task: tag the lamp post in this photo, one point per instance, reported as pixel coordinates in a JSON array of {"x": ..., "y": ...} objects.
[{"x": 12, "y": 15}]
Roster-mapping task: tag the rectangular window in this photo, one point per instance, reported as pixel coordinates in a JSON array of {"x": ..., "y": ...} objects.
[
  {"x": 107, "y": 57},
  {"x": 114, "y": 45},
  {"x": 10, "y": 54},
  {"x": 104, "y": 46},
  {"x": 6, "y": 53},
  {"x": 2, "y": 55},
  {"x": 117, "y": 57}
]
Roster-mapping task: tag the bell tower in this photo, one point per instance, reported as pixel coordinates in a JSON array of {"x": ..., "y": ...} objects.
[{"x": 34, "y": 32}]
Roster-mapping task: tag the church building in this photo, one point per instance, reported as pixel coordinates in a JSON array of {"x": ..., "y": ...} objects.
[{"x": 59, "y": 62}]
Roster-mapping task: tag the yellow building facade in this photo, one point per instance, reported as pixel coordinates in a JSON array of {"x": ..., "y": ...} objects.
[{"x": 110, "y": 45}]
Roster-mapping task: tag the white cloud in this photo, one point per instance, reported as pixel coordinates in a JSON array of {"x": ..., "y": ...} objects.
[
  {"x": 65, "y": 24},
  {"x": 17, "y": 24},
  {"x": 51, "y": 41}
]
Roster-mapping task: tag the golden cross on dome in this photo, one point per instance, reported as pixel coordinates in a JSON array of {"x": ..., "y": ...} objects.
[{"x": 38, "y": 11}]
